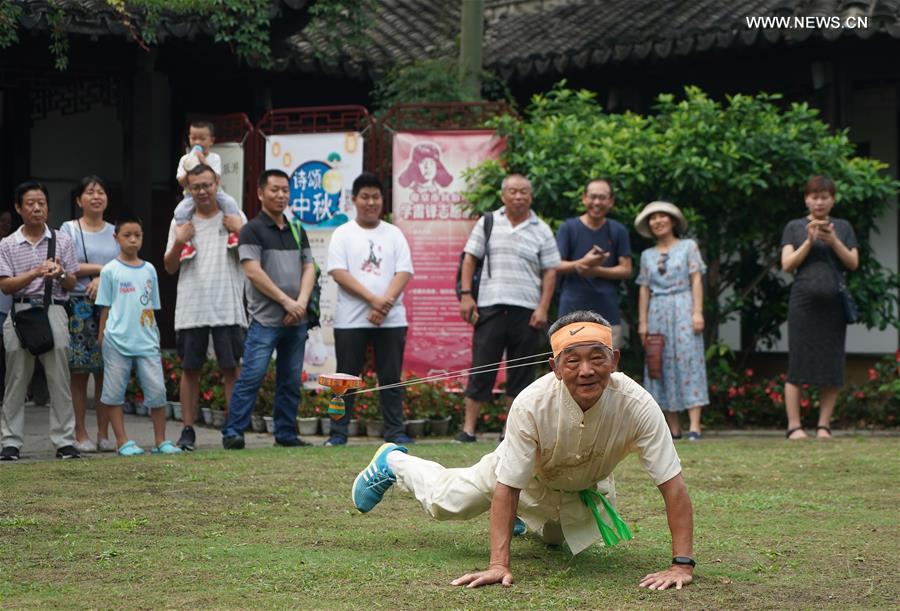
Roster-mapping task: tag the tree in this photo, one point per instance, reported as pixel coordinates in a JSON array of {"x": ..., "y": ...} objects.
[
  {"x": 736, "y": 168},
  {"x": 245, "y": 25}
]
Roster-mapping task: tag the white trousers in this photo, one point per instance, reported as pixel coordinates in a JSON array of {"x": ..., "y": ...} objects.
[{"x": 466, "y": 492}]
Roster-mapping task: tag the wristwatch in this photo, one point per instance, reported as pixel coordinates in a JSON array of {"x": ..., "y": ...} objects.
[
  {"x": 62, "y": 276},
  {"x": 465, "y": 292},
  {"x": 687, "y": 560}
]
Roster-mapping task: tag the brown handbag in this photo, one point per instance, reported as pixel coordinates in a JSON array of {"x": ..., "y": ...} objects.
[{"x": 653, "y": 349}]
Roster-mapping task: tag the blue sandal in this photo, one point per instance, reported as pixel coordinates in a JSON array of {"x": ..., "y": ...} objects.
[
  {"x": 166, "y": 447},
  {"x": 130, "y": 448}
]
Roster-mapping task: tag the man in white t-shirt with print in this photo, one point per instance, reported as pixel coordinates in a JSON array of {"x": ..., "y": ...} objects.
[
  {"x": 565, "y": 435},
  {"x": 210, "y": 294},
  {"x": 369, "y": 260}
]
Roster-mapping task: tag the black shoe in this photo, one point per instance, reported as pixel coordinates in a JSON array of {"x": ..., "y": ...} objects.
[
  {"x": 188, "y": 439},
  {"x": 9, "y": 453},
  {"x": 464, "y": 437},
  {"x": 292, "y": 443},
  {"x": 67, "y": 452},
  {"x": 233, "y": 443}
]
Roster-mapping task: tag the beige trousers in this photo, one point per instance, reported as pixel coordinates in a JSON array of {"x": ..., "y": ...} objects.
[{"x": 19, "y": 368}]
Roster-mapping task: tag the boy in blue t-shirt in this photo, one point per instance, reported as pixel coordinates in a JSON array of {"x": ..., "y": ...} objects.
[{"x": 129, "y": 336}]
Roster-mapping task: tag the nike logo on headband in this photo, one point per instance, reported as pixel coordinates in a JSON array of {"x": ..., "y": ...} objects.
[{"x": 576, "y": 330}]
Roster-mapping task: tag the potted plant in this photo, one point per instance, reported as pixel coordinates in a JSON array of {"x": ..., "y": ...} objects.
[
  {"x": 262, "y": 421},
  {"x": 172, "y": 378},
  {"x": 308, "y": 414}
]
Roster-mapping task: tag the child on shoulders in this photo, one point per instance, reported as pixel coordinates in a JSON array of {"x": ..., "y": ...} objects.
[{"x": 201, "y": 136}]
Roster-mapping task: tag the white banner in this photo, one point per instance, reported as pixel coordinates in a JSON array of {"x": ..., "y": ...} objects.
[
  {"x": 232, "y": 154},
  {"x": 322, "y": 168}
]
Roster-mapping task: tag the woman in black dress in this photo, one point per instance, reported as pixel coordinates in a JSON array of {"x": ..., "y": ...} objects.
[{"x": 818, "y": 249}]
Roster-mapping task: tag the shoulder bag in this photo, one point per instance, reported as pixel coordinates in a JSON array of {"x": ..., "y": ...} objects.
[{"x": 32, "y": 326}]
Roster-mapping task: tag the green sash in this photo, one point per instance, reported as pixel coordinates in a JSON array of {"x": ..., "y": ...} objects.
[{"x": 610, "y": 536}]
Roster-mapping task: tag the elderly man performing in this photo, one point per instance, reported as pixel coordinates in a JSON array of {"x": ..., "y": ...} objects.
[{"x": 565, "y": 434}]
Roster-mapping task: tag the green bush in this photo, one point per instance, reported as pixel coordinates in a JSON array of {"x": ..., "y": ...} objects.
[{"x": 736, "y": 168}]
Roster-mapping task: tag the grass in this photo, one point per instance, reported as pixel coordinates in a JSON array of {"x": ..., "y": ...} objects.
[{"x": 777, "y": 525}]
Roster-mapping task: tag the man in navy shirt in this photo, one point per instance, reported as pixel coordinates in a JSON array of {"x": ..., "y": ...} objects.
[{"x": 596, "y": 255}]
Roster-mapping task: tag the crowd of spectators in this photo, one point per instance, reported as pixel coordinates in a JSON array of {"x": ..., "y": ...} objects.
[{"x": 248, "y": 286}]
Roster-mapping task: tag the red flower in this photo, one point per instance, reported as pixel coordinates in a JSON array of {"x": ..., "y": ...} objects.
[
  {"x": 501, "y": 417},
  {"x": 730, "y": 412},
  {"x": 859, "y": 394},
  {"x": 748, "y": 373},
  {"x": 741, "y": 390},
  {"x": 713, "y": 387},
  {"x": 873, "y": 375},
  {"x": 804, "y": 403},
  {"x": 207, "y": 395},
  {"x": 783, "y": 377},
  {"x": 732, "y": 392},
  {"x": 898, "y": 356},
  {"x": 486, "y": 418},
  {"x": 139, "y": 397}
]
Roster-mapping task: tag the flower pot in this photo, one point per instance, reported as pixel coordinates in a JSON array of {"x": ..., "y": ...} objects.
[
  {"x": 374, "y": 428},
  {"x": 415, "y": 428},
  {"x": 141, "y": 410},
  {"x": 257, "y": 424},
  {"x": 207, "y": 415},
  {"x": 218, "y": 418},
  {"x": 355, "y": 427},
  {"x": 439, "y": 426},
  {"x": 169, "y": 411},
  {"x": 325, "y": 425},
  {"x": 307, "y": 426},
  {"x": 176, "y": 410},
  {"x": 128, "y": 407},
  {"x": 270, "y": 424}
]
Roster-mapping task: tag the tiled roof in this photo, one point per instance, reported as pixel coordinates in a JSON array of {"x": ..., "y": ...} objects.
[
  {"x": 524, "y": 37},
  {"x": 521, "y": 37}
]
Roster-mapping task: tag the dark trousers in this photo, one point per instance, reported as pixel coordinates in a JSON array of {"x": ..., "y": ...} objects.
[{"x": 387, "y": 344}]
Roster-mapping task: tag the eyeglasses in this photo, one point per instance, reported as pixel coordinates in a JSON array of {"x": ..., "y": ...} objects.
[
  {"x": 201, "y": 187},
  {"x": 661, "y": 264}
]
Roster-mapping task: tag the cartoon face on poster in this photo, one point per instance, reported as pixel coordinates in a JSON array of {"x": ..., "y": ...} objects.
[
  {"x": 321, "y": 169},
  {"x": 428, "y": 187}
]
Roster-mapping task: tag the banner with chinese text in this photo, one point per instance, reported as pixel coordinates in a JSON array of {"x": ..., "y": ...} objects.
[
  {"x": 322, "y": 168},
  {"x": 427, "y": 192}
]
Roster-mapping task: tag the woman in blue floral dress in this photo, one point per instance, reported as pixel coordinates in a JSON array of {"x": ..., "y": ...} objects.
[
  {"x": 671, "y": 303},
  {"x": 95, "y": 245}
]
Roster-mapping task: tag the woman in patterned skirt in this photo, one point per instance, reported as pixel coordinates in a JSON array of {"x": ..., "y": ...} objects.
[
  {"x": 671, "y": 303},
  {"x": 94, "y": 246}
]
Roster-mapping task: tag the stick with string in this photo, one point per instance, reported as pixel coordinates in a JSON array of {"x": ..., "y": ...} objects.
[{"x": 341, "y": 383}]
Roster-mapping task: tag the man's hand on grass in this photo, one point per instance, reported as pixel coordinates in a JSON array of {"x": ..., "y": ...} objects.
[
  {"x": 495, "y": 574},
  {"x": 676, "y": 575}
]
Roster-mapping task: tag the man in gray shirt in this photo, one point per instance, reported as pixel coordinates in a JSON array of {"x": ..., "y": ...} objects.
[{"x": 271, "y": 252}]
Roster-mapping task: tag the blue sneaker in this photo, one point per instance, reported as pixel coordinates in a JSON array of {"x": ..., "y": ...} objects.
[
  {"x": 373, "y": 481},
  {"x": 519, "y": 527}
]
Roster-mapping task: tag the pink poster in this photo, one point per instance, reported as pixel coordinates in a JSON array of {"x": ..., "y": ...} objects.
[{"x": 427, "y": 191}]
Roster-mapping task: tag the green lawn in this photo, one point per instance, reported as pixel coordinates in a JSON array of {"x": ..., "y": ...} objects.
[{"x": 777, "y": 525}]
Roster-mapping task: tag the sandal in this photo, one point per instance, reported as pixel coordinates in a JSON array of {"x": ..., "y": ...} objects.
[
  {"x": 826, "y": 429},
  {"x": 130, "y": 448},
  {"x": 792, "y": 431}
]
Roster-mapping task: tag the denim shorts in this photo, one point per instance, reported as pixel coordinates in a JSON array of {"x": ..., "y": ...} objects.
[{"x": 117, "y": 372}]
